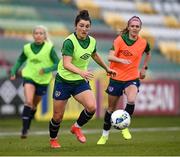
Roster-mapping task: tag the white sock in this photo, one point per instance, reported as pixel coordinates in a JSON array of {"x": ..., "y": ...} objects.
[
  {"x": 105, "y": 133},
  {"x": 76, "y": 125}
]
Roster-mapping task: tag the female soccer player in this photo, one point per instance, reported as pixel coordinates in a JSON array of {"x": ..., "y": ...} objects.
[
  {"x": 125, "y": 57},
  {"x": 73, "y": 78},
  {"x": 41, "y": 60}
]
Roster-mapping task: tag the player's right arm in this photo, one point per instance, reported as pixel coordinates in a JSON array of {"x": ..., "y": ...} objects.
[
  {"x": 22, "y": 58},
  {"x": 113, "y": 58}
]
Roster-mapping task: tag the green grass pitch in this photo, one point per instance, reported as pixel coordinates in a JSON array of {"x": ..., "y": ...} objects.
[{"x": 152, "y": 136}]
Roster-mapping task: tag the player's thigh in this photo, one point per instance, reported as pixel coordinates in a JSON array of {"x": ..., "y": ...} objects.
[
  {"x": 36, "y": 100},
  {"x": 29, "y": 92},
  {"x": 87, "y": 99},
  {"x": 131, "y": 93},
  {"x": 112, "y": 102}
]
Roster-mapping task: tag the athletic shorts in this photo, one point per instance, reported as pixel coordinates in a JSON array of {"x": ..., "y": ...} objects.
[
  {"x": 40, "y": 89},
  {"x": 64, "y": 90},
  {"x": 116, "y": 88}
]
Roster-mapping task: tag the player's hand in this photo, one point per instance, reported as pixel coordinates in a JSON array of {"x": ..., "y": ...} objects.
[
  {"x": 12, "y": 77},
  {"x": 87, "y": 75},
  {"x": 111, "y": 72},
  {"x": 142, "y": 74},
  {"x": 41, "y": 72}
]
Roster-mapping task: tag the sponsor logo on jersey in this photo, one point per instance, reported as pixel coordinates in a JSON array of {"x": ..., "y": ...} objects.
[
  {"x": 125, "y": 53},
  {"x": 35, "y": 61},
  {"x": 85, "y": 56}
]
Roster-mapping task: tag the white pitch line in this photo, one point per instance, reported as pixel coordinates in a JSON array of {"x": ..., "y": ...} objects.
[{"x": 92, "y": 131}]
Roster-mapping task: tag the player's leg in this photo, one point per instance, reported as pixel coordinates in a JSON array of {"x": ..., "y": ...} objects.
[
  {"x": 54, "y": 124},
  {"x": 131, "y": 93},
  {"x": 61, "y": 95},
  {"x": 114, "y": 91},
  {"x": 112, "y": 101},
  {"x": 36, "y": 101},
  {"x": 87, "y": 99},
  {"x": 39, "y": 92},
  {"x": 29, "y": 91}
]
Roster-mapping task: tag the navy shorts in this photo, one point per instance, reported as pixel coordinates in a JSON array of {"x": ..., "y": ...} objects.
[
  {"x": 64, "y": 90},
  {"x": 116, "y": 88},
  {"x": 40, "y": 89}
]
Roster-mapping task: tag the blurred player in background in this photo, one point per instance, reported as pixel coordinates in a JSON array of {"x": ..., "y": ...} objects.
[
  {"x": 73, "y": 78},
  {"x": 125, "y": 58},
  {"x": 41, "y": 59}
]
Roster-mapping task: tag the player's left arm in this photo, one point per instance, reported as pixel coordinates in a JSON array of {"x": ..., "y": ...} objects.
[
  {"x": 145, "y": 62},
  {"x": 97, "y": 58}
]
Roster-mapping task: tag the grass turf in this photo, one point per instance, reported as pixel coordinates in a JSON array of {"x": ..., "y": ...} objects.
[{"x": 152, "y": 136}]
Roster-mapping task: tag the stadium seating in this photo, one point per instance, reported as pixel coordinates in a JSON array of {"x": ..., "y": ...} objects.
[
  {"x": 170, "y": 50},
  {"x": 161, "y": 25},
  {"x": 160, "y": 20},
  {"x": 89, "y": 5},
  {"x": 145, "y": 7}
]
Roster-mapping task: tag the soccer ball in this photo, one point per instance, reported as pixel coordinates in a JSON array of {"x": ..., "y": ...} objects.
[{"x": 120, "y": 119}]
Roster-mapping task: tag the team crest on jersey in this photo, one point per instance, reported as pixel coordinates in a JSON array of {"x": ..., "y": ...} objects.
[
  {"x": 57, "y": 93},
  {"x": 110, "y": 88},
  {"x": 85, "y": 56}
]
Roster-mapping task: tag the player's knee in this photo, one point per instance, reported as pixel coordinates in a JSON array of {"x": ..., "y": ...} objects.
[
  {"x": 29, "y": 103},
  {"x": 131, "y": 98},
  {"x": 57, "y": 117},
  {"x": 131, "y": 102},
  {"x": 91, "y": 109}
]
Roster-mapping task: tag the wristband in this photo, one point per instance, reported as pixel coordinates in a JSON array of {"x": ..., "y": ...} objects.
[{"x": 146, "y": 67}]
